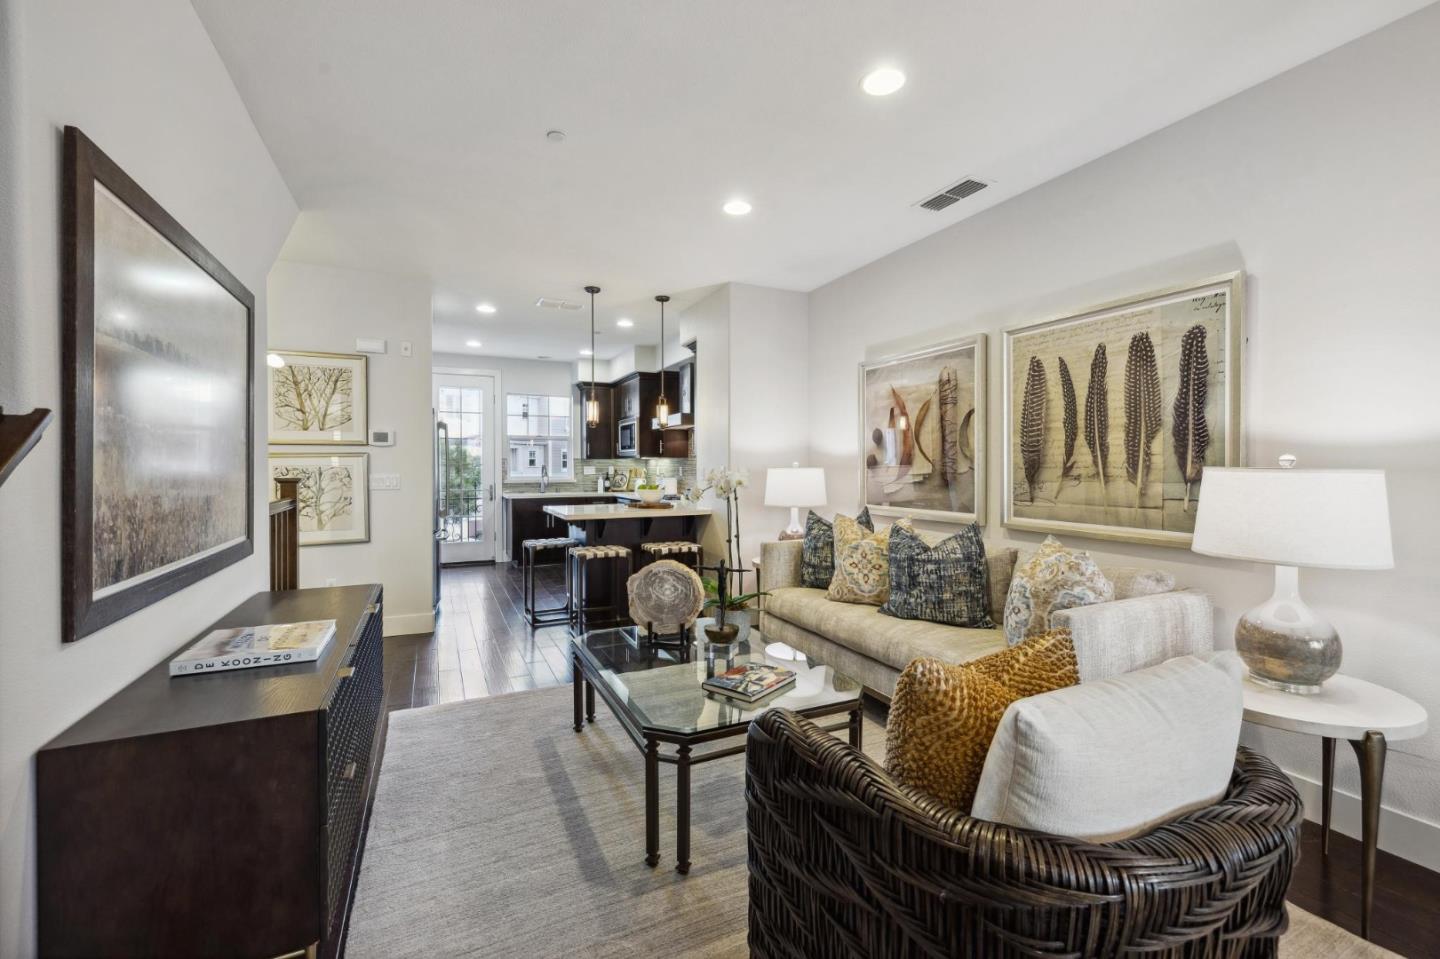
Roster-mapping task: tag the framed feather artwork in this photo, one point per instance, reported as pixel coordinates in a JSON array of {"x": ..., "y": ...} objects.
[
  {"x": 1113, "y": 413},
  {"x": 922, "y": 432}
]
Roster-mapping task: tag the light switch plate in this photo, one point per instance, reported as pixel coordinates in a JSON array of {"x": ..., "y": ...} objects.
[
  {"x": 384, "y": 481},
  {"x": 366, "y": 344}
]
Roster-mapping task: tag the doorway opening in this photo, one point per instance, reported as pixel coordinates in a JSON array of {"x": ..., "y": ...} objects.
[{"x": 467, "y": 467}]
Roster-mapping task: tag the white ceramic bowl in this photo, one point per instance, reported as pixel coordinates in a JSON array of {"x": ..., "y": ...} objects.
[{"x": 650, "y": 495}]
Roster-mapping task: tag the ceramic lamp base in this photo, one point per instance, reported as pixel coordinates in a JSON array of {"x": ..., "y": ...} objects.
[
  {"x": 1286, "y": 644},
  {"x": 794, "y": 530}
]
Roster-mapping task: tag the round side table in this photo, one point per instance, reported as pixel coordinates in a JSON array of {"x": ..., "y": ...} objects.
[{"x": 1363, "y": 713}]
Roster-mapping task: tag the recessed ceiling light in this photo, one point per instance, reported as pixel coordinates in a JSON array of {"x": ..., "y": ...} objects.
[
  {"x": 625, "y": 322},
  {"x": 736, "y": 208},
  {"x": 587, "y": 352},
  {"x": 472, "y": 343},
  {"x": 485, "y": 308},
  {"x": 882, "y": 82}
]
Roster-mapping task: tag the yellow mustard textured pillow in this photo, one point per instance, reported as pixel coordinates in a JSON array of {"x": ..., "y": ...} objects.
[
  {"x": 862, "y": 563},
  {"x": 943, "y": 716}
]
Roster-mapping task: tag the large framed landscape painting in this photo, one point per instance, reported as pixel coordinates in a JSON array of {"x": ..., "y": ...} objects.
[
  {"x": 158, "y": 372},
  {"x": 333, "y": 495},
  {"x": 922, "y": 432},
  {"x": 317, "y": 399},
  {"x": 1112, "y": 415}
]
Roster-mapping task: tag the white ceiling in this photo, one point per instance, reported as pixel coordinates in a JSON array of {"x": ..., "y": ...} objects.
[{"x": 413, "y": 134}]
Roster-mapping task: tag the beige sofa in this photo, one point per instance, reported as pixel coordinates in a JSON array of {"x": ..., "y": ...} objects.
[{"x": 1132, "y": 632}]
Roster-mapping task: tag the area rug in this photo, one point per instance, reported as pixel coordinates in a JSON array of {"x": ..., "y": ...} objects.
[{"x": 499, "y": 831}]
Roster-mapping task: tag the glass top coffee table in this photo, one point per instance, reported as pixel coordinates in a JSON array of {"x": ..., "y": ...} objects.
[{"x": 654, "y": 691}]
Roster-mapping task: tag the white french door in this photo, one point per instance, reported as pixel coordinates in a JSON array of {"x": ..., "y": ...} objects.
[{"x": 467, "y": 467}]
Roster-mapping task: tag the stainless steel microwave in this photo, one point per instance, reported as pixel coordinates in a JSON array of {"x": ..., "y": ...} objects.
[{"x": 629, "y": 438}]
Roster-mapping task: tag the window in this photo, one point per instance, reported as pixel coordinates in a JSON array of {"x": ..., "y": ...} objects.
[{"x": 538, "y": 429}]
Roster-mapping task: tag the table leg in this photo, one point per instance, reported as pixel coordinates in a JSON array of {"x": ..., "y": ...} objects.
[
  {"x": 578, "y": 683},
  {"x": 652, "y": 802},
  {"x": 857, "y": 727},
  {"x": 1327, "y": 790},
  {"x": 589, "y": 702},
  {"x": 682, "y": 811},
  {"x": 1370, "y": 751}
]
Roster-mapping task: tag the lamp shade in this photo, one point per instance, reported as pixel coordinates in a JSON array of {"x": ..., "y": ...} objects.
[
  {"x": 795, "y": 486},
  {"x": 1331, "y": 519}
]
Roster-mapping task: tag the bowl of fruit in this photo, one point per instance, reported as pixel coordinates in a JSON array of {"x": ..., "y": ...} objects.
[{"x": 649, "y": 493}]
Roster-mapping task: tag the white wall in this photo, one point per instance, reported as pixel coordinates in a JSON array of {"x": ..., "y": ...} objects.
[
  {"x": 707, "y": 323},
  {"x": 325, "y": 309},
  {"x": 144, "y": 82},
  {"x": 1324, "y": 185},
  {"x": 769, "y": 421}
]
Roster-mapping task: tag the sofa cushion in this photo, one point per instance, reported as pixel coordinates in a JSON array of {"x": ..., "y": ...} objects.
[
  {"x": 941, "y": 583},
  {"x": 944, "y": 715},
  {"x": 862, "y": 563},
  {"x": 817, "y": 564},
  {"x": 1133, "y": 581},
  {"x": 1055, "y": 578},
  {"x": 891, "y": 641},
  {"x": 1114, "y": 758}
]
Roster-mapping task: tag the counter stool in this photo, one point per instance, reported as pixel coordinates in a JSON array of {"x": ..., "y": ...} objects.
[
  {"x": 580, "y": 557},
  {"x": 554, "y": 614},
  {"x": 685, "y": 553}
]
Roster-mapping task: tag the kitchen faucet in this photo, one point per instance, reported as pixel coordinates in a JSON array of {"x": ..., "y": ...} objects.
[{"x": 544, "y": 477}]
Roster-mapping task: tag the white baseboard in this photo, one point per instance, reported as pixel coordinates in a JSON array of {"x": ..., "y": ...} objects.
[
  {"x": 1400, "y": 834},
  {"x": 403, "y": 624}
]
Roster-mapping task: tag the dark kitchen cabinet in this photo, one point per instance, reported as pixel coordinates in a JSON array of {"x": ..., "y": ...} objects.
[
  {"x": 597, "y": 442},
  {"x": 635, "y": 398}
]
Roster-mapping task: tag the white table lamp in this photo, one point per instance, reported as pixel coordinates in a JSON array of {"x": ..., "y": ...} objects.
[
  {"x": 1328, "y": 519},
  {"x": 795, "y": 486}
]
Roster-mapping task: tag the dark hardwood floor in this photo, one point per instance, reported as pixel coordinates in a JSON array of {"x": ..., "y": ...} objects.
[{"x": 482, "y": 647}]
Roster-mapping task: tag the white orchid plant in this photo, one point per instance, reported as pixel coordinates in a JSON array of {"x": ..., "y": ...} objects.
[{"x": 726, "y": 484}]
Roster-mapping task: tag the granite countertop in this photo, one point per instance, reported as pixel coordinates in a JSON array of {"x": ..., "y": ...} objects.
[
  {"x": 606, "y": 511},
  {"x": 555, "y": 495}
]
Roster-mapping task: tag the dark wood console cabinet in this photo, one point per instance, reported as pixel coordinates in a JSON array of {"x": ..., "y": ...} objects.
[{"x": 223, "y": 814}]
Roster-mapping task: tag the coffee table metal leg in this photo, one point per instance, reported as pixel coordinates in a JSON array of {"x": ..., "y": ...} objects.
[
  {"x": 682, "y": 810},
  {"x": 589, "y": 702},
  {"x": 652, "y": 803},
  {"x": 1370, "y": 751},
  {"x": 578, "y": 682},
  {"x": 1327, "y": 790},
  {"x": 857, "y": 727}
]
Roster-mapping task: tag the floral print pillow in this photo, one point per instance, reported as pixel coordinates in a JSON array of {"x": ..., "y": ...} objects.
[
  {"x": 862, "y": 563},
  {"x": 1054, "y": 578}
]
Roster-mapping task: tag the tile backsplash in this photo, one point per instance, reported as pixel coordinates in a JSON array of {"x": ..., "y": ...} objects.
[{"x": 681, "y": 469}]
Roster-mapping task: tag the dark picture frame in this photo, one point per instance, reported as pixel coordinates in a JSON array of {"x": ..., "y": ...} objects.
[{"x": 83, "y": 612}]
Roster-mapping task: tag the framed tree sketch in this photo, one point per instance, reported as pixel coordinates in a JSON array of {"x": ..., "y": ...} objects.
[
  {"x": 1112, "y": 415},
  {"x": 333, "y": 496},
  {"x": 922, "y": 432},
  {"x": 158, "y": 342},
  {"x": 318, "y": 399}
]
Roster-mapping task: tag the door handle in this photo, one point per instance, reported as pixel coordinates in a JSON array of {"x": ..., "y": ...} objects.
[{"x": 490, "y": 492}]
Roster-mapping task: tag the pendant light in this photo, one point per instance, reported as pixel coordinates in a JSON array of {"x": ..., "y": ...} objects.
[
  {"x": 592, "y": 406},
  {"x": 662, "y": 405}
]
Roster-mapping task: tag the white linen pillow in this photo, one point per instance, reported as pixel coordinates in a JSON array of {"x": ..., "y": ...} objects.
[{"x": 1114, "y": 758}]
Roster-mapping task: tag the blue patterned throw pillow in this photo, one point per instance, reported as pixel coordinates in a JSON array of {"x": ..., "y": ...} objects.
[
  {"x": 817, "y": 554},
  {"x": 945, "y": 583}
]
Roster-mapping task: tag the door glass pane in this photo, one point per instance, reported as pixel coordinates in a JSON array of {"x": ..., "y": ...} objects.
[
  {"x": 464, "y": 493},
  {"x": 470, "y": 400}
]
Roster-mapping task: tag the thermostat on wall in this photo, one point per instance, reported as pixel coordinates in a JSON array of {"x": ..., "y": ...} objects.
[{"x": 382, "y": 437}]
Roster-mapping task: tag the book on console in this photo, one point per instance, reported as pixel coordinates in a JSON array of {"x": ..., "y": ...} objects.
[
  {"x": 750, "y": 682},
  {"x": 246, "y": 647}
]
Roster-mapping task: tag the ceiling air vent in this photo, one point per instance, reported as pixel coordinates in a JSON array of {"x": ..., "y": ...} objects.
[
  {"x": 952, "y": 194},
  {"x": 555, "y": 303}
]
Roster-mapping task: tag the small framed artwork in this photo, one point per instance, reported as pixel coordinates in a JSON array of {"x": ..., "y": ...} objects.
[
  {"x": 317, "y": 399},
  {"x": 333, "y": 495},
  {"x": 922, "y": 432},
  {"x": 157, "y": 475},
  {"x": 1112, "y": 414}
]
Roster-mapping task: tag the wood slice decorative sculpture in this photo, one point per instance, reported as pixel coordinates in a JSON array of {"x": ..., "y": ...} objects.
[{"x": 665, "y": 597}]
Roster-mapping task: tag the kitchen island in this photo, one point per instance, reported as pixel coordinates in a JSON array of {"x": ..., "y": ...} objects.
[{"x": 624, "y": 524}]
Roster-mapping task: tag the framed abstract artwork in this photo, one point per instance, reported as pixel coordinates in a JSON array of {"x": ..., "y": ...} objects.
[
  {"x": 333, "y": 495},
  {"x": 1112, "y": 414},
  {"x": 158, "y": 383},
  {"x": 317, "y": 399},
  {"x": 922, "y": 432}
]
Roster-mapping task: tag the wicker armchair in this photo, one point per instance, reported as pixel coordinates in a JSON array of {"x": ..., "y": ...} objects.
[{"x": 845, "y": 862}]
